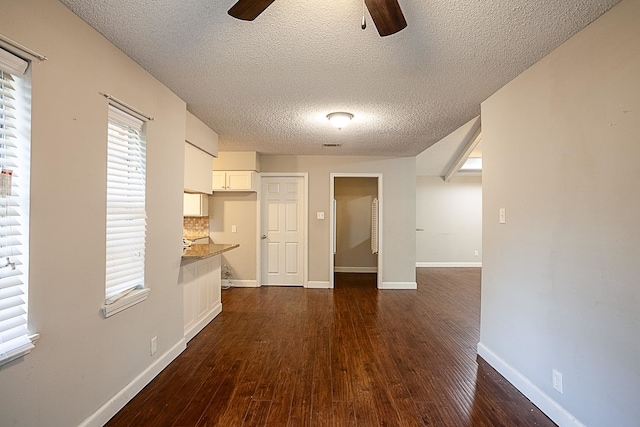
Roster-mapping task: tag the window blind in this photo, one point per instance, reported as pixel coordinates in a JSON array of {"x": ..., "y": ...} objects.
[
  {"x": 126, "y": 214},
  {"x": 14, "y": 209},
  {"x": 374, "y": 226}
]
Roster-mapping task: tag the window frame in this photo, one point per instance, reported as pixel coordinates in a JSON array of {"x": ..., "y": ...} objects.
[
  {"x": 15, "y": 145},
  {"x": 126, "y": 202}
]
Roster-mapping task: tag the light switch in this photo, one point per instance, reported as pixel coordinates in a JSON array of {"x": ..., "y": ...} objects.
[
  {"x": 320, "y": 215},
  {"x": 233, "y": 229},
  {"x": 503, "y": 216}
]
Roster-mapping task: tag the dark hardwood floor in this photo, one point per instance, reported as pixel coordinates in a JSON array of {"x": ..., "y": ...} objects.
[{"x": 352, "y": 356}]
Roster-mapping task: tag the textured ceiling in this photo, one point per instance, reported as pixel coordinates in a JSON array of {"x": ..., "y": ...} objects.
[{"x": 267, "y": 85}]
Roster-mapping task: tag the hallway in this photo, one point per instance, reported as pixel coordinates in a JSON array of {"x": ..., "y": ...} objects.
[{"x": 354, "y": 356}]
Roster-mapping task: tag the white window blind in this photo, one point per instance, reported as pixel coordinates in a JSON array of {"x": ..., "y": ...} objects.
[
  {"x": 126, "y": 214},
  {"x": 14, "y": 208},
  {"x": 374, "y": 226}
]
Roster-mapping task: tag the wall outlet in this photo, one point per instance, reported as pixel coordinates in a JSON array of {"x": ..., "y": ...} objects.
[
  {"x": 154, "y": 345},
  {"x": 475, "y": 253},
  {"x": 319, "y": 215},
  {"x": 556, "y": 378},
  {"x": 234, "y": 229}
]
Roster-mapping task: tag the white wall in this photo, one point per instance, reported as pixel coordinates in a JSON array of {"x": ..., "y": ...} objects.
[
  {"x": 239, "y": 209},
  {"x": 82, "y": 360},
  {"x": 560, "y": 289},
  {"x": 399, "y": 178},
  {"x": 450, "y": 213}
]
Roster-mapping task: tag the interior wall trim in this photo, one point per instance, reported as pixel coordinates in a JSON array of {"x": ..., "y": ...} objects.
[
  {"x": 430, "y": 264},
  {"x": 117, "y": 402},
  {"x": 355, "y": 269},
  {"x": 197, "y": 327},
  {"x": 399, "y": 285},
  {"x": 544, "y": 402},
  {"x": 235, "y": 283},
  {"x": 318, "y": 284}
]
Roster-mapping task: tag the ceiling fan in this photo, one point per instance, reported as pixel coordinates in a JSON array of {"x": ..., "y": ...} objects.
[{"x": 386, "y": 14}]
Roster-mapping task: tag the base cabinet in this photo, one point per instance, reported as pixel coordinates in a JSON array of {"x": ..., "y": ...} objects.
[{"x": 202, "y": 294}]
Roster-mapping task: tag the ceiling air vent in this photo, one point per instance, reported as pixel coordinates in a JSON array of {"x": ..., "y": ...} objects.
[{"x": 334, "y": 144}]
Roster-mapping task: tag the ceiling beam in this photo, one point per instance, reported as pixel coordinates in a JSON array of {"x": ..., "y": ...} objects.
[{"x": 471, "y": 139}]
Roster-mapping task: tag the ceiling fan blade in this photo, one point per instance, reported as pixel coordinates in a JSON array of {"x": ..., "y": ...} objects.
[
  {"x": 387, "y": 16},
  {"x": 248, "y": 10}
]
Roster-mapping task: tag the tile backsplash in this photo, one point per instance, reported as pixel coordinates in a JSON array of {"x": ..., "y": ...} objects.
[{"x": 195, "y": 227}]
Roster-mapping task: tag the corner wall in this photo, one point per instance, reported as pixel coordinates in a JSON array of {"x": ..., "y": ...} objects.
[
  {"x": 82, "y": 360},
  {"x": 560, "y": 283}
]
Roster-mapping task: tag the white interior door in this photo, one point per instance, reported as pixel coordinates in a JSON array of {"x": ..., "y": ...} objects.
[{"x": 283, "y": 231}]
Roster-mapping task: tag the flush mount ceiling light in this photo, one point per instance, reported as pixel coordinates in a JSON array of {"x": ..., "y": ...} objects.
[{"x": 339, "y": 119}]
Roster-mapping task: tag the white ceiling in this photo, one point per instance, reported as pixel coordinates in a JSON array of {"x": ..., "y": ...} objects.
[{"x": 267, "y": 85}]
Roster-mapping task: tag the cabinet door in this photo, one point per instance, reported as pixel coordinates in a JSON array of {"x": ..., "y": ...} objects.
[
  {"x": 215, "y": 266},
  {"x": 239, "y": 180},
  {"x": 204, "y": 279},
  {"x": 219, "y": 180},
  {"x": 197, "y": 169},
  {"x": 191, "y": 205},
  {"x": 195, "y": 205},
  {"x": 189, "y": 295}
]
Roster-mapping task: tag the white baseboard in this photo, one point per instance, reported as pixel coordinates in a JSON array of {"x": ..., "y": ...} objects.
[
  {"x": 197, "y": 327},
  {"x": 117, "y": 402},
  {"x": 430, "y": 264},
  {"x": 355, "y": 269},
  {"x": 318, "y": 285},
  {"x": 244, "y": 283},
  {"x": 550, "y": 407},
  {"x": 399, "y": 285}
]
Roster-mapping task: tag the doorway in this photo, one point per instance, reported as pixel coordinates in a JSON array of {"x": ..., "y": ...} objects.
[{"x": 356, "y": 226}]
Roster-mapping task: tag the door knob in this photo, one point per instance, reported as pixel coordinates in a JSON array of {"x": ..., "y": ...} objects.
[{"x": 263, "y": 237}]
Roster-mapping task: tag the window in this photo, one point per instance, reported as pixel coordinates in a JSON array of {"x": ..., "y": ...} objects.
[
  {"x": 15, "y": 120},
  {"x": 126, "y": 214}
]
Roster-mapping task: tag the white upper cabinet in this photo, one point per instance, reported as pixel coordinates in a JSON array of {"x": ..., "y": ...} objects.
[
  {"x": 234, "y": 180},
  {"x": 200, "y": 147},
  {"x": 197, "y": 169},
  {"x": 195, "y": 205},
  {"x": 236, "y": 171}
]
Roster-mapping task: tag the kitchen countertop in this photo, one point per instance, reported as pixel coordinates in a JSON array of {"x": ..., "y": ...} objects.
[{"x": 205, "y": 250}]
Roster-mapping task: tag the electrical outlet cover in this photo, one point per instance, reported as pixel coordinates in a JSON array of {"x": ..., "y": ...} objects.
[
  {"x": 154, "y": 345},
  {"x": 556, "y": 378}
]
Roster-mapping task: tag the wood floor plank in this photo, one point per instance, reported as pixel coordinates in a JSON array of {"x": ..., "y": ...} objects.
[
  {"x": 321, "y": 403},
  {"x": 344, "y": 414},
  {"x": 257, "y": 414},
  {"x": 364, "y": 407},
  {"x": 354, "y": 356},
  {"x": 300, "y": 414},
  {"x": 218, "y": 402}
]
